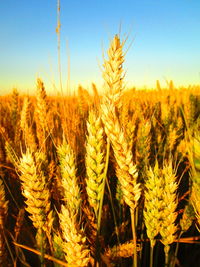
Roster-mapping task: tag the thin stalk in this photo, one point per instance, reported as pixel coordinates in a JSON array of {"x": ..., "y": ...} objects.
[
  {"x": 138, "y": 226},
  {"x": 151, "y": 256},
  {"x": 9, "y": 191},
  {"x": 104, "y": 180},
  {"x": 42, "y": 250},
  {"x": 113, "y": 211},
  {"x": 136, "y": 216},
  {"x": 68, "y": 69},
  {"x": 58, "y": 44},
  {"x": 141, "y": 243},
  {"x": 166, "y": 249},
  {"x": 97, "y": 259},
  {"x": 48, "y": 257},
  {"x": 134, "y": 237},
  {"x": 8, "y": 246},
  {"x": 176, "y": 250},
  {"x": 157, "y": 251}
]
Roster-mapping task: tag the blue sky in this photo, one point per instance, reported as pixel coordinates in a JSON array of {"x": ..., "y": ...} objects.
[{"x": 165, "y": 34}]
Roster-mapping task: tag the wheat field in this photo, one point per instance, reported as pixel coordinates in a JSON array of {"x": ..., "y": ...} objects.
[{"x": 110, "y": 179}]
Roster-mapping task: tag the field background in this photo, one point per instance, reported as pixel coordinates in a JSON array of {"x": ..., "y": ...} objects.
[
  {"x": 159, "y": 123},
  {"x": 105, "y": 175}
]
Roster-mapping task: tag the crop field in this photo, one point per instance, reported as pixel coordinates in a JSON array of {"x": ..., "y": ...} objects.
[{"x": 101, "y": 179}]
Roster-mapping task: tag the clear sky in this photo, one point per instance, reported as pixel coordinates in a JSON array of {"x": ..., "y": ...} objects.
[{"x": 165, "y": 34}]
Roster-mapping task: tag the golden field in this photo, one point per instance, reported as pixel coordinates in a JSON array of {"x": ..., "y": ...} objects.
[{"x": 101, "y": 180}]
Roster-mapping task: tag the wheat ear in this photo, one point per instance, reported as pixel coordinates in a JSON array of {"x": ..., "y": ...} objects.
[
  {"x": 15, "y": 107},
  {"x": 36, "y": 192},
  {"x": 153, "y": 203},
  {"x": 69, "y": 180},
  {"x": 120, "y": 251},
  {"x": 168, "y": 216},
  {"x": 25, "y": 125},
  {"x": 42, "y": 105},
  {"x": 125, "y": 169},
  {"x": 113, "y": 71},
  {"x": 3, "y": 205},
  {"x": 74, "y": 240},
  {"x": 126, "y": 172},
  {"x": 194, "y": 157},
  {"x": 195, "y": 198},
  {"x": 160, "y": 206},
  {"x": 188, "y": 217},
  {"x": 95, "y": 160},
  {"x": 41, "y": 114}
]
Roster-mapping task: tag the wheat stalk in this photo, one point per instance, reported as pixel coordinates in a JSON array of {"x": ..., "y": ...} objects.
[{"x": 3, "y": 216}]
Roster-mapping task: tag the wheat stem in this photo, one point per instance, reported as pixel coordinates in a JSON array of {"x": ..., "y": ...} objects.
[
  {"x": 151, "y": 256},
  {"x": 134, "y": 237}
]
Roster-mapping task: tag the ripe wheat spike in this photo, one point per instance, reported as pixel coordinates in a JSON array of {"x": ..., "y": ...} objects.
[
  {"x": 26, "y": 127},
  {"x": 35, "y": 189},
  {"x": 127, "y": 172},
  {"x": 153, "y": 203},
  {"x": 41, "y": 114},
  {"x": 95, "y": 160},
  {"x": 3, "y": 205},
  {"x": 74, "y": 240},
  {"x": 194, "y": 156},
  {"x": 120, "y": 251},
  {"x": 71, "y": 190},
  {"x": 169, "y": 229},
  {"x": 188, "y": 217},
  {"x": 113, "y": 71}
]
